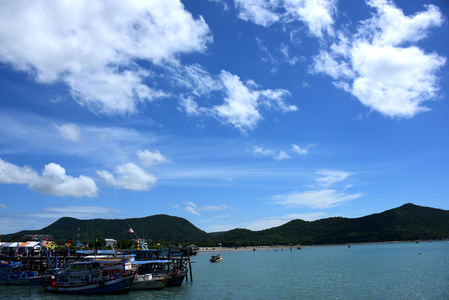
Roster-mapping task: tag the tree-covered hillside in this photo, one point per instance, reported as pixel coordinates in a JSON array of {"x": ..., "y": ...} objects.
[{"x": 408, "y": 222}]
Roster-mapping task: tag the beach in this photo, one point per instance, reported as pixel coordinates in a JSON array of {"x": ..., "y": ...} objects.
[{"x": 297, "y": 247}]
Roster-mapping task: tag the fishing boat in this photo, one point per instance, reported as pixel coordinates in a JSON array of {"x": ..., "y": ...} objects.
[
  {"x": 216, "y": 258},
  {"x": 11, "y": 274},
  {"x": 176, "y": 277},
  {"x": 149, "y": 275},
  {"x": 90, "y": 277}
]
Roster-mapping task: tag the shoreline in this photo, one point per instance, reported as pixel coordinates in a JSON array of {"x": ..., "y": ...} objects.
[{"x": 299, "y": 247}]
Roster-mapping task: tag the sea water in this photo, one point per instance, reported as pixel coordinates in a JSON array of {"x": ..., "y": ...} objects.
[{"x": 372, "y": 271}]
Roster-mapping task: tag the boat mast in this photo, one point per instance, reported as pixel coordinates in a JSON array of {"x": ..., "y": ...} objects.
[{"x": 141, "y": 242}]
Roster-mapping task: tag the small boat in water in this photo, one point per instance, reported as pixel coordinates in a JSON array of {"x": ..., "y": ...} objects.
[
  {"x": 90, "y": 278},
  {"x": 216, "y": 258}
]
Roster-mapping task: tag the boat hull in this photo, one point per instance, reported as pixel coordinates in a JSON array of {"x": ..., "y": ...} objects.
[
  {"x": 121, "y": 285},
  {"x": 176, "y": 279},
  {"x": 148, "y": 285},
  {"x": 30, "y": 281}
]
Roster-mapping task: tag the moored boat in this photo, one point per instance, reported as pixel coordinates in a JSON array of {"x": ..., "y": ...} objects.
[
  {"x": 149, "y": 275},
  {"x": 149, "y": 282},
  {"x": 11, "y": 274},
  {"x": 90, "y": 278},
  {"x": 176, "y": 277}
]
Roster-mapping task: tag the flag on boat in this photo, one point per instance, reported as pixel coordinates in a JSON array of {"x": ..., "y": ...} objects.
[{"x": 131, "y": 230}]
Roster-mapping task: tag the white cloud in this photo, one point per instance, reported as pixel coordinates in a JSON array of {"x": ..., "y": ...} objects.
[
  {"x": 281, "y": 155},
  {"x": 53, "y": 180},
  {"x": 109, "y": 91},
  {"x": 192, "y": 210},
  {"x": 195, "y": 209},
  {"x": 380, "y": 64},
  {"x": 196, "y": 78},
  {"x": 148, "y": 158},
  {"x": 298, "y": 150},
  {"x": 214, "y": 207},
  {"x": 395, "y": 81},
  {"x": 261, "y": 12},
  {"x": 287, "y": 56},
  {"x": 317, "y": 199},
  {"x": 175, "y": 206},
  {"x": 396, "y": 28},
  {"x": 3, "y": 205},
  {"x": 189, "y": 106},
  {"x": 242, "y": 102},
  {"x": 79, "y": 212},
  {"x": 92, "y": 46},
  {"x": 130, "y": 177},
  {"x": 240, "y": 107},
  {"x": 331, "y": 176},
  {"x": 70, "y": 132},
  {"x": 317, "y": 15}
]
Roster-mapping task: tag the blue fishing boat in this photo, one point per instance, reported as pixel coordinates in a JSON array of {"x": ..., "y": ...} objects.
[
  {"x": 11, "y": 274},
  {"x": 91, "y": 278}
]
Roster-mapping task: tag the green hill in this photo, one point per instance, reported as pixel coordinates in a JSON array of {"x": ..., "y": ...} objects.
[
  {"x": 157, "y": 228},
  {"x": 408, "y": 222}
]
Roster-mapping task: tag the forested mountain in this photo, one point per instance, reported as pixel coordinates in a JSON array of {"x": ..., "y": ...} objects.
[
  {"x": 157, "y": 227},
  {"x": 408, "y": 222}
]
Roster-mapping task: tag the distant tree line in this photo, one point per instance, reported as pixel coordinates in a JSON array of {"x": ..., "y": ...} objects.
[{"x": 408, "y": 222}]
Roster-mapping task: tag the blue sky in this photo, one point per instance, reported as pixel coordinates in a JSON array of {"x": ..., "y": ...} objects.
[{"x": 230, "y": 114}]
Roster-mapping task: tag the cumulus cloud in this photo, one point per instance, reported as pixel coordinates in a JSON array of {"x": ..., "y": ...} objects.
[
  {"x": 318, "y": 199},
  {"x": 52, "y": 181},
  {"x": 242, "y": 102},
  {"x": 92, "y": 46},
  {"x": 317, "y": 15},
  {"x": 70, "y": 132},
  {"x": 149, "y": 158},
  {"x": 381, "y": 65},
  {"x": 130, "y": 177}
]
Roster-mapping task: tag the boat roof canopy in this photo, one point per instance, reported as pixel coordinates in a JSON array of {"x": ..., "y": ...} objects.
[{"x": 144, "y": 262}]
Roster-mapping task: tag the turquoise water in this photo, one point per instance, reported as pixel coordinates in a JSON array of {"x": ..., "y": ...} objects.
[{"x": 377, "y": 271}]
